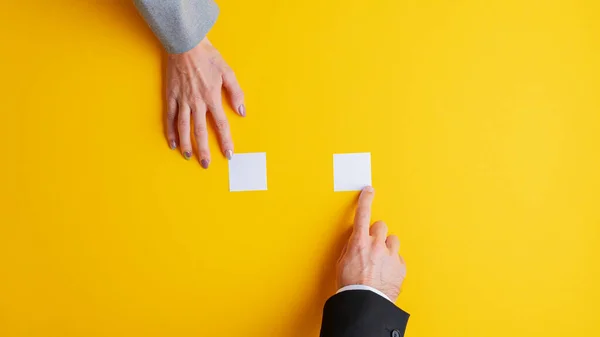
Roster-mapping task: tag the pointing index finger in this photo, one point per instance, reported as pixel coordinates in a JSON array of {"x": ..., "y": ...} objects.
[{"x": 362, "y": 219}]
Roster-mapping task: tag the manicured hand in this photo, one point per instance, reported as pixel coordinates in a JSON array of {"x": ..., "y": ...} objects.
[
  {"x": 371, "y": 257},
  {"x": 194, "y": 83}
]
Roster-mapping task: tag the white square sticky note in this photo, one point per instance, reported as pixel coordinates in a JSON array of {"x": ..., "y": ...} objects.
[
  {"x": 351, "y": 171},
  {"x": 248, "y": 172}
]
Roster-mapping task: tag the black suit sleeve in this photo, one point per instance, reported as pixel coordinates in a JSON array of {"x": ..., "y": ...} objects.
[{"x": 362, "y": 313}]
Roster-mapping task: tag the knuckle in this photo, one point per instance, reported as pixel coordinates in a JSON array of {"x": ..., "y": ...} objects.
[
  {"x": 197, "y": 98},
  {"x": 212, "y": 86},
  {"x": 212, "y": 101},
  {"x": 377, "y": 245},
  {"x": 228, "y": 71},
  {"x": 360, "y": 242},
  {"x": 171, "y": 114},
  {"x": 380, "y": 225},
  {"x": 173, "y": 89},
  {"x": 378, "y": 249},
  {"x": 173, "y": 94},
  {"x": 363, "y": 253},
  {"x": 238, "y": 95},
  {"x": 183, "y": 123},
  {"x": 200, "y": 130},
  {"x": 198, "y": 108},
  {"x": 222, "y": 125}
]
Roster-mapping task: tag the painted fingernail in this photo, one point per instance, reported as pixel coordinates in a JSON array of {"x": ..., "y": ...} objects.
[
  {"x": 242, "y": 110},
  {"x": 173, "y": 145},
  {"x": 229, "y": 154},
  {"x": 187, "y": 155},
  {"x": 204, "y": 163}
]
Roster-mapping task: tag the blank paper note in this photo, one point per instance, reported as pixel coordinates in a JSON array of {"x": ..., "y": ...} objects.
[
  {"x": 351, "y": 171},
  {"x": 248, "y": 172}
]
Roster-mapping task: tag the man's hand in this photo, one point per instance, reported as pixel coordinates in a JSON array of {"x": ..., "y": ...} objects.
[
  {"x": 371, "y": 257},
  {"x": 194, "y": 82}
]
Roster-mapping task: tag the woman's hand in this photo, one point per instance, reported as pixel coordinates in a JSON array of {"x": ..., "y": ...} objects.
[{"x": 194, "y": 82}]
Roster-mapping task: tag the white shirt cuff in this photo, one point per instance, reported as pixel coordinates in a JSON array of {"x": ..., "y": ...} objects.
[{"x": 363, "y": 287}]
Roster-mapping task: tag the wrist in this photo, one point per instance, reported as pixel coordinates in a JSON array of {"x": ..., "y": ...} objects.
[
  {"x": 364, "y": 288},
  {"x": 203, "y": 43}
]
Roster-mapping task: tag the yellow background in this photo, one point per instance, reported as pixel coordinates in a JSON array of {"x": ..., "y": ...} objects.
[{"x": 482, "y": 117}]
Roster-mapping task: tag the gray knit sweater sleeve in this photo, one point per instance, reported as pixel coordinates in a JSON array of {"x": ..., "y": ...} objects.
[{"x": 179, "y": 24}]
